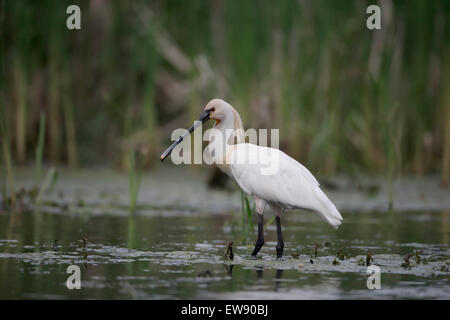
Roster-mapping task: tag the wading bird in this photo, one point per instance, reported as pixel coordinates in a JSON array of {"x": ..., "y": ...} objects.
[{"x": 291, "y": 186}]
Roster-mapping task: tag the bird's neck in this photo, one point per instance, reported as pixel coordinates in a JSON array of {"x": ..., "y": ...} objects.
[
  {"x": 231, "y": 127},
  {"x": 227, "y": 132}
]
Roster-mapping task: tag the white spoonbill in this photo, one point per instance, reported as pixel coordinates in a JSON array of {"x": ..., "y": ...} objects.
[{"x": 291, "y": 186}]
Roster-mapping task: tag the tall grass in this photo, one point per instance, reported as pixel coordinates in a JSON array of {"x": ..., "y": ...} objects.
[
  {"x": 47, "y": 185},
  {"x": 4, "y": 190},
  {"x": 134, "y": 179},
  {"x": 39, "y": 150},
  {"x": 69, "y": 121},
  {"x": 445, "y": 110},
  {"x": 8, "y": 164},
  {"x": 311, "y": 69},
  {"x": 21, "y": 111}
]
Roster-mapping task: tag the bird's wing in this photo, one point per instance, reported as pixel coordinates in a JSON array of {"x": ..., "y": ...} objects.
[{"x": 272, "y": 175}]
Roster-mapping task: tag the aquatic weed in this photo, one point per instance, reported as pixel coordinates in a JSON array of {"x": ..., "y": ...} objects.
[
  {"x": 39, "y": 150},
  {"x": 229, "y": 251},
  {"x": 342, "y": 255},
  {"x": 316, "y": 247},
  {"x": 369, "y": 258},
  {"x": 407, "y": 263}
]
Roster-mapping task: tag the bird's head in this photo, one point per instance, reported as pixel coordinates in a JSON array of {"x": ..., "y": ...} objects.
[{"x": 218, "y": 110}]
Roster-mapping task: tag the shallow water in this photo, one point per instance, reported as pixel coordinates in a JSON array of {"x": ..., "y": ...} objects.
[{"x": 181, "y": 256}]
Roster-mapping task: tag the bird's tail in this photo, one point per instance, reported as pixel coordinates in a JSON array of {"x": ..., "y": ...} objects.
[{"x": 328, "y": 210}]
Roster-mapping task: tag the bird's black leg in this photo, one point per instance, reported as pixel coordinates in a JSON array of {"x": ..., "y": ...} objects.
[
  {"x": 260, "y": 241},
  {"x": 280, "y": 244}
]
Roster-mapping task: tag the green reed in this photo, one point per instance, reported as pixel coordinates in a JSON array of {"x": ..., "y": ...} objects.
[
  {"x": 8, "y": 163},
  {"x": 39, "y": 150},
  {"x": 247, "y": 217},
  {"x": 134, "y": 179},
  {"x": 47, "y": 185},
  {"x": 312, "y": 63}
]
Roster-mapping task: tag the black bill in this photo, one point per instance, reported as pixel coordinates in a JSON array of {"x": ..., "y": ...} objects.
[{"x": 203, "y": 118}]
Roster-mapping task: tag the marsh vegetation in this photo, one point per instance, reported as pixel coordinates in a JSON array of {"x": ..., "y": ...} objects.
[{"x": 84, "y": 115}]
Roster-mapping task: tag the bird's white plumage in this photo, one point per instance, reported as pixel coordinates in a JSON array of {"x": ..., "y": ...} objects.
[
  {"x": 291, "y": 186},
  {"x": 269, "y": 175}
]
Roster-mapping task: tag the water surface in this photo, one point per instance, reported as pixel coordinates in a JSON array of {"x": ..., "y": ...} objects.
[{"x": 167, "y": 255}]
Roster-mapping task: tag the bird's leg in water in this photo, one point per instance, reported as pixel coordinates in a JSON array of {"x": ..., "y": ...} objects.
[
  {"x": 280, "y": 244},
  {"x": 260, "y": 241}
]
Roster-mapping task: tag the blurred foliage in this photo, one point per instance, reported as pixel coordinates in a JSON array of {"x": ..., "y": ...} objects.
[{"x": 347, "y": 99}]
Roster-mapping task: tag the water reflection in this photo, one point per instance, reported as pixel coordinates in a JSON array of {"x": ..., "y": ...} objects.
[
  {"x": 228, "y": 269},
  {"x": 259, "y": 272},
  {"x": 278, "y": 275}
]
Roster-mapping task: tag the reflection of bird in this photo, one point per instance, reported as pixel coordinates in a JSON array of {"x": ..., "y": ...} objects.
[{"x": 269, "y": 175}]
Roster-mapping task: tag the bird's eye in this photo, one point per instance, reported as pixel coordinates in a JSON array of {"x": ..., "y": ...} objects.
[{"x": 212, "y": 109}]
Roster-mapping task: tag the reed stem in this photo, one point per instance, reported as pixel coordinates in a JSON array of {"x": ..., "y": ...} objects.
[{"x": 40, "y": 150}]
